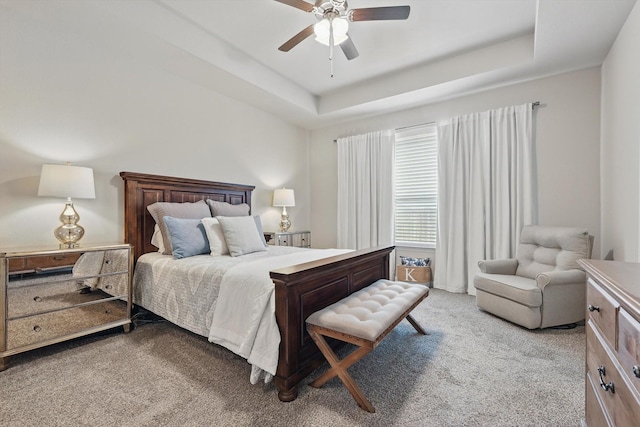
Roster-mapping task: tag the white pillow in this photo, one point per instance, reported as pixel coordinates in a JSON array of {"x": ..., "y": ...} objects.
[
  {"x": 215, "y": 235},
  {"x": 156, "y": 239},
  {"x": 241, "y": 235}
]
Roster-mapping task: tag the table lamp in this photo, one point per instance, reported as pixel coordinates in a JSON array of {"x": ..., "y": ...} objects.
[
  {"x": 284, "y": 197},
  {"x": 67, "y": 181}
]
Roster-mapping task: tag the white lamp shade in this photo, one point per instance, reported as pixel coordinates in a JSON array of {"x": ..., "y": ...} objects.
[
  {"x": 284, "y": 197},
  {"x": 340, "y": 28},
  {"x": 67, "y": 181}
]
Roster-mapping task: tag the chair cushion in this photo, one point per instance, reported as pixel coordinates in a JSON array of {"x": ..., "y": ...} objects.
[
  {"x": 544, "y": 249},
  {"x": 370, "y": 311},
  {"x": 515, "y": 288}
]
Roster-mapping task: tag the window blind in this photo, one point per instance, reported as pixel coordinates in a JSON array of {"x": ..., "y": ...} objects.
[{"x": 416, "y": 186}]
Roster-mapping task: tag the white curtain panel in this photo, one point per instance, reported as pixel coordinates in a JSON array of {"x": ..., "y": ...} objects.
[
  {"x": 365, "y": 190},
  {"x": 486, "y": 191}
]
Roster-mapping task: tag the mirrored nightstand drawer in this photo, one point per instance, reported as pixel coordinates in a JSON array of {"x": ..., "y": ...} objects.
[
  {"x": 49, "y": 326},
  {"x": 31, "y": 264},
  {"x": 34, "y": 298},
  {"x": 301, "y": 239}
]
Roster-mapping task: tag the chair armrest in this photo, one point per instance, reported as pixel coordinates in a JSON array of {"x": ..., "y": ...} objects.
[
  {"x": 499, "y": 266},
  {"x": 560, "y": 277}
]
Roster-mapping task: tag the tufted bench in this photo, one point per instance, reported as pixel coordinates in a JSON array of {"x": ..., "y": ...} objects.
[{"x": 363, "y": 318}]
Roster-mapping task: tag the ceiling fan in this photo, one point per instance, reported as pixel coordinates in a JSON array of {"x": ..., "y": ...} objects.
[{"x": 333, "y": 23}]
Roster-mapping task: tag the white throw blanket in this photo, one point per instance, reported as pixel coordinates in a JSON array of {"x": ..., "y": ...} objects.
[{"x": 244, "y": 320}]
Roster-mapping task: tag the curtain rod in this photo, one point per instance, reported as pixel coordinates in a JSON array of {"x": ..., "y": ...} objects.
[
  {"x": 415, "y": 126},
  {"x": 533, "y": 106}
]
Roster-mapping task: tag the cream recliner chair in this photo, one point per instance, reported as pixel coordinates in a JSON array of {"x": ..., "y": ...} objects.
[{"x": 543, "y": 285}]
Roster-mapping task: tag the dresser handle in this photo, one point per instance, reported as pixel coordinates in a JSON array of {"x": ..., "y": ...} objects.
[
  {"x": 59, "y": 257},
  {"x": 636, "y": 371},
  {"x": 605, "y": 386},
  {"x": 37, "y": 299},
  {"x": 36, "y": 328},
  {"x": 592, "y": 307}
]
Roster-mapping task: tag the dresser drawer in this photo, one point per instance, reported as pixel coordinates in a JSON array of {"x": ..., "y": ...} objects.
[
  {"x": 302, "y": 240},
  {"x": 48, "y": 296},
  {"x": 100, "y": 263},
  {"x": 42, "y": 262},
  {"x": 51, "y": 326},
  {"x": 603, "y": 311},
  {"x": 284, "y": 240},
  {"x": 596, "y": 414},
  {"x": 629, "y": 347},
  {"x": 620, "y": 401}
]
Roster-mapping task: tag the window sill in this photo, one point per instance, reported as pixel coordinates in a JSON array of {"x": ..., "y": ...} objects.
[{"x": 415, "y": 245}]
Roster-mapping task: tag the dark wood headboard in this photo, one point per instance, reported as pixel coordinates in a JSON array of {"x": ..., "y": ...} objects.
[{"x": 142, "y": 190}]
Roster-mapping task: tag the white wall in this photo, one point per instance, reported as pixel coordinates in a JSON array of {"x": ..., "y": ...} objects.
[
  {"x": 65, "y": 98},
  {"x": 621, "y": 143},
  {"x": 568, "y": 134}
]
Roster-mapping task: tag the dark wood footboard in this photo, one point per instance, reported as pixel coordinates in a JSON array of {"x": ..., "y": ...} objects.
[{"x": 305, "y": 288}]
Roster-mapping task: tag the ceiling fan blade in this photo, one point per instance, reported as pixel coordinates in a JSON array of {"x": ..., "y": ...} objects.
[
  {"x": 299, "y": 4},
  {"x": 349, "y": 49},
  {"x": 293, "y": 41},
  {"x": 380, "y": 13}
]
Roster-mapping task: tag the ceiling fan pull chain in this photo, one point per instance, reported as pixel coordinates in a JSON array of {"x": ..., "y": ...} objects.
[{"x": 331, "y": 45}]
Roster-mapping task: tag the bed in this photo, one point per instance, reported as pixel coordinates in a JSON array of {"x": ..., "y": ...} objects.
[{"x": 300, "y": 289}]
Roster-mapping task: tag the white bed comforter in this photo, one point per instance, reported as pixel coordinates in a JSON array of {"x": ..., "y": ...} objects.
[
  {"x": 244, "y": 319},
  {"x": 229, "y": 300}
]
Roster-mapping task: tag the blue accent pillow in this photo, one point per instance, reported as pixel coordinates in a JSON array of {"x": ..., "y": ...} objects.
[{"x": 188, "y": 237}]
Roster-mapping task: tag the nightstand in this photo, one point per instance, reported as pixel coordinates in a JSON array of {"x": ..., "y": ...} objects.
[
  {"x": 301, "y": 239},
  {"x": 53, "y": 295}
]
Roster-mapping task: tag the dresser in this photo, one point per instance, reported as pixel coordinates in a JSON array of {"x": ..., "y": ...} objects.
[
  {"x": 612, "y": 383},
  {"x": 53, "y": 295},
  {"x": 300, "y": 239}
]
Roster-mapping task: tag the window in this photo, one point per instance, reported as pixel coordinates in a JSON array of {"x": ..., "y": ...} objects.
[{"x": 416, "y": 181}]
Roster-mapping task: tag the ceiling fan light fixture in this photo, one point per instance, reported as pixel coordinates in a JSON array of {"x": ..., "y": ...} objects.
[{"x": 322, "y": 30}]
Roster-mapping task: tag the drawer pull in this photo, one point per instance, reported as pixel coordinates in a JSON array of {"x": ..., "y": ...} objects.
[
  {"x": 593, "y": 308},
  {"x": 59, "y": 258},
  {"x": 36, "y": 328},
  {"x": 605, "y": 386},
  {"x": 37, "y": 299},
  {"x": 636, "y": 371}
]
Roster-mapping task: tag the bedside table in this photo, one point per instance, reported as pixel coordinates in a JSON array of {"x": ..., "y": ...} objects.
[
  {"x": 50, "y": 296},
  {"x": 301, "y": 239}
]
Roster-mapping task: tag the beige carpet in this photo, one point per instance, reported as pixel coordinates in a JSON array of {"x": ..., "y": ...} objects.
[{"x": 472, "y": 370}]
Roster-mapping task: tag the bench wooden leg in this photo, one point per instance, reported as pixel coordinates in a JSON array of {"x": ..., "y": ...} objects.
[
  {"x": 344, "y": 364},
  {"x": 339, "y": 368},
  {"x": 416, "y": 325}
]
